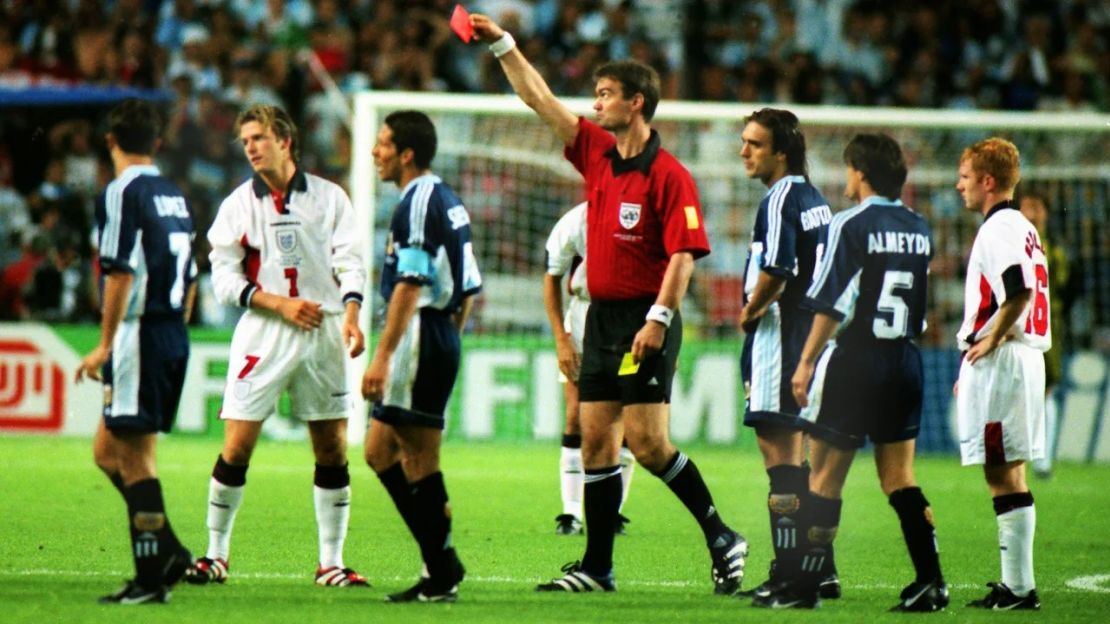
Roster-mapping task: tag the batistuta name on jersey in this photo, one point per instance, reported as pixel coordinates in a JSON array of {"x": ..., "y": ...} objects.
[{"x": 898, "y": 242}]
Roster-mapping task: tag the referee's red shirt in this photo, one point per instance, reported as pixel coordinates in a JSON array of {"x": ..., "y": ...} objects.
[{"x": 641, "y": 211}]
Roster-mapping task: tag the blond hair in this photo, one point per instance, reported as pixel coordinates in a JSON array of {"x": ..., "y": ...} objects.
[
  {"x": 997, "y": 158},
  {"x": 272, "y": 118}
]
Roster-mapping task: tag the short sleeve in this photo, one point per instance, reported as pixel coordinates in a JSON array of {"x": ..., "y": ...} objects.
[
  {"x": 118, "y": 233},
  {"x": 835, "y": 286},
  {"x": 683, "y": 224},
  {"x": 590, "y": 143}
]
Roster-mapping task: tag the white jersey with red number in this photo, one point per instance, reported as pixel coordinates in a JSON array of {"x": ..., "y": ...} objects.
[
  {"x": 566, "y": 242},
  {"x": 303, "y": 245},
  {"x": 1007, "y": 258}
]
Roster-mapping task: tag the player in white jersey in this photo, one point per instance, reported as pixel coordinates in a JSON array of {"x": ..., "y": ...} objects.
[
  {"x": 1000, "y": 390},
  {"x": 285, "y": 247},
  {"x": 566, "y": 252}
]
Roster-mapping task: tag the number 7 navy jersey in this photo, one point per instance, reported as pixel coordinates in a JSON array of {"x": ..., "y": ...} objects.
[
  {"x": 144, "y": 227},
  {"x": 874, "y": 276}
]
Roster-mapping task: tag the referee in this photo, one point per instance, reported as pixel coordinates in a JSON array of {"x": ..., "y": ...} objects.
[{"x": 645, "y": 229}]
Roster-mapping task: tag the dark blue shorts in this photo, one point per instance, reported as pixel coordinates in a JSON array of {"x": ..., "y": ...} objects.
[
  {"x": 145, "y": 374},
  {"x": 767, "y": 365},
  {"x": 866, "y": 391},
  {"x": 422, "y": 373},
  {"x": 607, "y": 371}
]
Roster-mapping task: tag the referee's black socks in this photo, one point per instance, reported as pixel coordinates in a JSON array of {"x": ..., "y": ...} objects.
[
  {"x": 918, "y": 531},
  {"x": 601, "y": 494},
  {"x": 682, "y": 476}
]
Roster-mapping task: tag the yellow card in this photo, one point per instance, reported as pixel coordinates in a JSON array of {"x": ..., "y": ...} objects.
[
  {"x": 628, "y": 367},
  {"x": 691, "y": 218}
]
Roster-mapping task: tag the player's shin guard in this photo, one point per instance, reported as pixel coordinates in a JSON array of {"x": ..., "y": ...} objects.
[
  {"x": 152, "y": 541},
  {"x": 332, "y": 495},
  {"x": 788, "y": 490},
  {"x": 433, "y": 524},
  {"x": 819, "y": 519},
  {"x": 917, "y": 529},
  {"x": 1017, "y": 522},
  {"x": 682, "y": 476},
  {"x": 570, "y": 474},
  {"x": 225, "y": 494},
  {"x": 394, "y": 481},
  {"x": 628, "y": 465},
  {"x": 602, "y": 499}
]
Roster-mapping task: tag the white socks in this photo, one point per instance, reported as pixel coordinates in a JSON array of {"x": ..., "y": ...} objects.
[
  {"x": 1015, "y": 539},
  {"x": 223, "y": 504},
  {"x": 333, "y": 512},
  {"x": 570, "y": 480}
]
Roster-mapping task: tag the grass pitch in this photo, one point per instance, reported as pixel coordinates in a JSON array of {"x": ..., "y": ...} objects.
[{"x": 63, "y": 541}]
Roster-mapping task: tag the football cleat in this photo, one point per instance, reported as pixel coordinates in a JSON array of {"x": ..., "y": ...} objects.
[
  {"x": 787, "y": 596},
  {"x": 567, "y": 524},
  {"x": 205, "y": 570},
  {"x": 1002, "y": 598},
  {"x": 773, "y": 583},
  {"x": 829, "y": 587},
  {"x": 429, "y": 590},
  {"x": 132, "y": 594},
  {"x": 622, "y": 522},
  {"x": 577, "y": 580},
  {"x": 923, "y": 597},
  {"x": 176, "y": 567},
  {"x": 336, "y": 576},
  {"x": 729, "y": 554}
]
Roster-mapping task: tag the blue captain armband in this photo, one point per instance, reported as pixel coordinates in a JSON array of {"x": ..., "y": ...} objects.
[{"x": 414, "y": 262}]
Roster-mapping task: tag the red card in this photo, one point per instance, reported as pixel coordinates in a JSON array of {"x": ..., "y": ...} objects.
[{"x": 460, "y": 23}]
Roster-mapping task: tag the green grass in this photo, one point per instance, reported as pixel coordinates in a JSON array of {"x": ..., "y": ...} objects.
[{"x": 63, "y": 541}]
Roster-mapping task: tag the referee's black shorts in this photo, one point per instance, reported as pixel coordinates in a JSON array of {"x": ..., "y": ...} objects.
[{"x": 608, "y": 373}]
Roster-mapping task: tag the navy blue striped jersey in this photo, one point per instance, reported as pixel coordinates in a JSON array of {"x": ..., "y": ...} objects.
[
  {"x": 429, "y": 244},
  {"x": 874, "y": 276},
  {"x": 789, "y": 233},
  {"x": 144, "y": 227}
]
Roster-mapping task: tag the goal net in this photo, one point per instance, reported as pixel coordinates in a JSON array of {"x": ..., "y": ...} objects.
[{"x": 508, "y": 168}]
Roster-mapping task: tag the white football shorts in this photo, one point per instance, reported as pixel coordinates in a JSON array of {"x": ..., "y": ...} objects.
[
  {"x": 269, "y": 355},
  {"x": 1000, "y": 406}
]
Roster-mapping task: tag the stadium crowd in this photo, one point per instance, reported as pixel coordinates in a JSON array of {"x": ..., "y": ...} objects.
[{"x": 210, "y": 57}]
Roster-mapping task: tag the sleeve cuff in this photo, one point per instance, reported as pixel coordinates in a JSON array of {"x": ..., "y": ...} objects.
[
  {"x": 352, "y": 296},
  {"x": 1013, "y": 281},
  {"x": 245, "y": 296},
  {"x": 820, "y": 307},
  {"x": 778, "y": 272}
]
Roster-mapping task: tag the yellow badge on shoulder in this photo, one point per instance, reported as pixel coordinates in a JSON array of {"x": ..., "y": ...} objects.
[
  {"x": 628, "y": 366},
  {"x": 691, "y": 218}
]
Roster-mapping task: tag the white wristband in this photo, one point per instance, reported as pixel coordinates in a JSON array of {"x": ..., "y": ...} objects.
[
  {"x": 661, "y": 314},
  {"x": 502, "y": 46}
]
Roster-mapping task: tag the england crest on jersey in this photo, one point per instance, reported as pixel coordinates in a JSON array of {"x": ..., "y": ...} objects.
[
  {"x": 287, "y": 240},
  {"x": 630, "y": 215}
]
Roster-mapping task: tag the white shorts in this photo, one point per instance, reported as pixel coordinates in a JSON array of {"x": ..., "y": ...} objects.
[
  {"x": 269, "y": 355},
  {"x": 574, "y": 323},
  {"x": 1000, "y": 406}
]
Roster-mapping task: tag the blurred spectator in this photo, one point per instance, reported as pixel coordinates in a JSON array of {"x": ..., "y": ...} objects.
[
  {"x": 60, "y": 288},
  {"x": 15, "y": 278}
]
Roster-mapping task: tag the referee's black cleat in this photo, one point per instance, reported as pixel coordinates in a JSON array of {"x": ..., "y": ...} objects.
[
  {"x": 133, "y": 594},
  {"x": 729, "y": 553},
  {"x": 923, "y": 597},
  {"x": 567, "y": 524},
  {"x": 829, "y": 587},
  {"x": 576, "y": 580},
  {"x": 787, "y": 596},
  {"x": 1002, "y": 598},
  {"x": 622, "y": 522}
]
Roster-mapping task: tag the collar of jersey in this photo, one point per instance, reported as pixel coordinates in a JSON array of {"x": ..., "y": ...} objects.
[
  {"x": 879, "y": 199},
  {"x": 784, "y": 180},
  {"x": 417, "y": 180},
  {"x": 297, "y": 183},
  {"x": 1002, "y": 205},
  {"x": 138, "y": 170},
  {"x": 641, "y": 161}
]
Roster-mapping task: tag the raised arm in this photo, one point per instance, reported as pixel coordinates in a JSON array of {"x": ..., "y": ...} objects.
[{"x": 526, "y": 81}]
